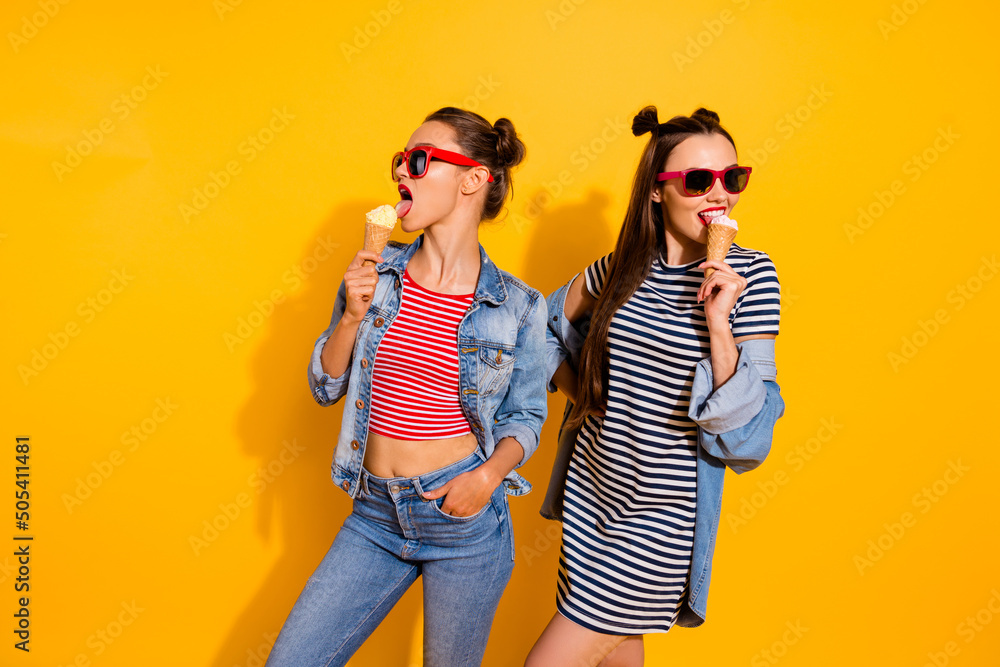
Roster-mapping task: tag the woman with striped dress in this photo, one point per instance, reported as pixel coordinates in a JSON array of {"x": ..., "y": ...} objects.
[{"x": 673, "y": 382}]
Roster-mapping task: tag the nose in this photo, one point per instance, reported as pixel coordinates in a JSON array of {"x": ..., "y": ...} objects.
[
  {"x": 717, "y": 193},
  {"x": 400, "y": 171}
]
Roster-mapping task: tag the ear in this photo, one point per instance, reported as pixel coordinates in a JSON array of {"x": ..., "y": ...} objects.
[
  {"x": 475, "y": 180},
  {"x": 656, "y": 195}
]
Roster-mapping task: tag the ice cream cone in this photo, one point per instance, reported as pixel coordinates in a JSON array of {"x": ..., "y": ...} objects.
[
  {"x": 720, "y": 237},
  {"x": 376, "y": 236},
  {"x": 379, "y": 224}
]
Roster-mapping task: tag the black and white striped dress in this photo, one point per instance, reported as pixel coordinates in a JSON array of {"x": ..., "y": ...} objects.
[{"x": 629, "y": 509}]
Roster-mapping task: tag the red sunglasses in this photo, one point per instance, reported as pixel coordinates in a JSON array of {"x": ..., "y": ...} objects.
[
  {"x": 417, "y": 159},
  {"x": 698, "y": 182}
]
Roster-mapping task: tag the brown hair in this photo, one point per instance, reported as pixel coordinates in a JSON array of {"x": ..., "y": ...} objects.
[
  {"x": 640, "y": 241},
  {"x": 496, "y": 146}
]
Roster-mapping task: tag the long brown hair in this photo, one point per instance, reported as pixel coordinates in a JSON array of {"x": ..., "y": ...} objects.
[
  {"x": 496, "y": 146},
  {"x": 641, "y": 240}
]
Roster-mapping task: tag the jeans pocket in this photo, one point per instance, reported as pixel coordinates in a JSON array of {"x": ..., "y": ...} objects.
[{"x": 437, "y": 502}]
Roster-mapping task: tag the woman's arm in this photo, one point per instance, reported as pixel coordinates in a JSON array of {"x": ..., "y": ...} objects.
[
  {"x": 517, "y": 422},
  {"x": 359, "y": 282},
  {"x": 579, "y": 301},
  {"x": 720, "y": 291},
  {"x": 566, "y": 380},
  {"x": 466, "y": 494},
  {"x": 331, "y": 359},
  {"x": 736, "y": 420},
  {"x": 568, "y": 305}
]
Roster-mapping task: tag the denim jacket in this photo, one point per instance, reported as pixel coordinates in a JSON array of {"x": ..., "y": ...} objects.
[
  {"x": 501, "y": 354},
  {"x": 735, "y": 424}
]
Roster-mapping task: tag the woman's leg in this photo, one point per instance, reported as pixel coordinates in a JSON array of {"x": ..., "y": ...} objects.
[
  {"x": 630, "y": 653},
  {"x": 469, "y": 563},
  {"x": 345, "y": 599},
  {"x": 565, "y": 644}
]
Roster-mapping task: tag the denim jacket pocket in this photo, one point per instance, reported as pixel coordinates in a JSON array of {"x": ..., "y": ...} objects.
[{"x": 495, "y": 367}]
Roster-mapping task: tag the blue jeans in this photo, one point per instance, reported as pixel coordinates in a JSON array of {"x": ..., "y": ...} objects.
[{"x": 392, "y": 537}]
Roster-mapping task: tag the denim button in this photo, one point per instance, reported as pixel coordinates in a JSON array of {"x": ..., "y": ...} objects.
[
  {"x": 359, "y": 404},
  {"x": 364, "y": 363},
  {"x": 346, "y": 486},
  {"x": 397, "y": 283},
  {"x": 394, "y": 488},
  {"x": 379, "y": 322},
  {"x": 354, "y": 445}
]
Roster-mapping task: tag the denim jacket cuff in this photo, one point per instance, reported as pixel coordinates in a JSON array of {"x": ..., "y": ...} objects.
[
  {"x": 735, "y": 403},
  {"x": 524, "y": 436},
  {"x": 325, "y": 389}
]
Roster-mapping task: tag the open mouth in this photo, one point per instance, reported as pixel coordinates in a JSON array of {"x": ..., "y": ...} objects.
[
  {"x": 406, "y": 201},
  {"x": 710, "y": 214}
]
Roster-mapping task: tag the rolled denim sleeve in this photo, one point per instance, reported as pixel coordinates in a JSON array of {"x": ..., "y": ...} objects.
[
  {"x": 524, "y": 408},
  {"x": 737, "y": 420},
  {"x": 325, "y": 389},
  {"x": 562, "y": 340}
]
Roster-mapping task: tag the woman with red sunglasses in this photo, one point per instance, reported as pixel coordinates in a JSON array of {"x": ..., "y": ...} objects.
[
  {"x": 441, "y": 357},
  {"x": 672, "y": 383}
]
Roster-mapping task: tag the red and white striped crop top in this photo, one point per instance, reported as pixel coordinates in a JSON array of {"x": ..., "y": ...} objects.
[{"x": 415, "y": 375}]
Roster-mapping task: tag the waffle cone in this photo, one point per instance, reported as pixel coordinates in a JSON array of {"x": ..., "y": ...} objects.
[
  {"x": 376, "y": 236},
  {"x": 720, "y": 237}
]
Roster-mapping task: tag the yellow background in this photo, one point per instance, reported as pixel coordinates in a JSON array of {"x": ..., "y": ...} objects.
[{"x": 829, "y": 102}]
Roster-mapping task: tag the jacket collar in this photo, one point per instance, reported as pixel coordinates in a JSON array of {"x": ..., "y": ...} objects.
[{"x": 490, "y": 288}]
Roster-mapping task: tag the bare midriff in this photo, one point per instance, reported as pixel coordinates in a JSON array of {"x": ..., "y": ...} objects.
[{"x": 391, "y": 457}]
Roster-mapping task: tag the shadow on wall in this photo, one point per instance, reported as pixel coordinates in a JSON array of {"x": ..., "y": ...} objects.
[
  {"x": 293, "y": 439},
  {"x": 566, "y": 237}
]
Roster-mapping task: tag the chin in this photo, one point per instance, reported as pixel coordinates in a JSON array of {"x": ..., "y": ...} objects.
[{"x": 409, "y": 226}]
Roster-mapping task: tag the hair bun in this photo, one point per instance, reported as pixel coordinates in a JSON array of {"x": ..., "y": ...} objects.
[
  {"x": 510, "y": 149},
  {"x": 645, "y": 121},
  {"x": 706, "y": 114}
]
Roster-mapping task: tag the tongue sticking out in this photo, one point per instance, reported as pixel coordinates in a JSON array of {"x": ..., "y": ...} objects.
[{"x": 403, "y": 207}]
